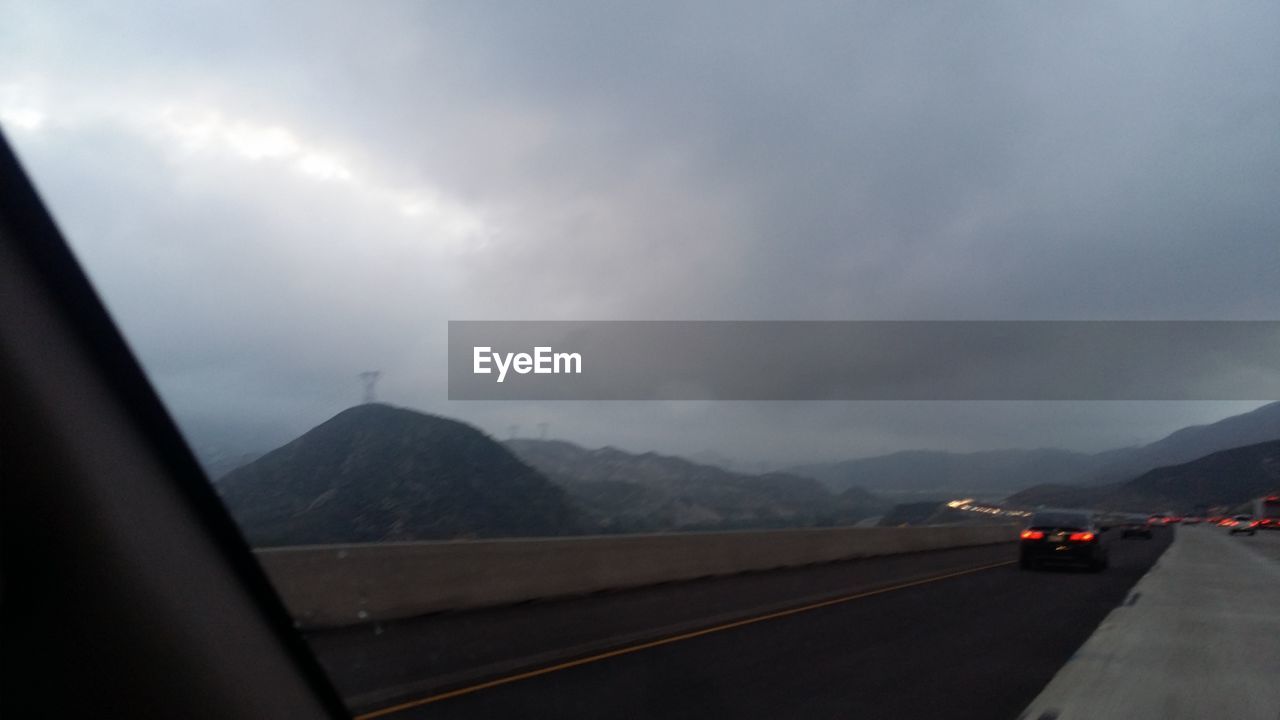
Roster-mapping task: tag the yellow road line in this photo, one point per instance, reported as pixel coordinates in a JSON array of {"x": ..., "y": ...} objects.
[{"x": 665, "y": 641}]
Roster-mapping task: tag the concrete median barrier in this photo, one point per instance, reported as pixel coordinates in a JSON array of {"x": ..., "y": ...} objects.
[{"x": 336, "y": 585}]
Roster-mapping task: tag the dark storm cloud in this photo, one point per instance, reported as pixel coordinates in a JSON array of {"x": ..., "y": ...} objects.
[{"x": 647, "y": 161}]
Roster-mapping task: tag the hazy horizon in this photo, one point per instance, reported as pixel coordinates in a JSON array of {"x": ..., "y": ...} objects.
[{"x": 227, "y": 441}]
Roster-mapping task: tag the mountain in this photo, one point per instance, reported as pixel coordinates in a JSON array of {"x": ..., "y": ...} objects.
[
  {"x": 221, "y": 447},
  {"x": 1256, "y": 426},
  {"x": 938, "y": 474},
  {"x": 377, "y": 473},
  {"x": 711, "y": 457},
  {"x": 996, "y": 473},
  {"x": 217, "y": 465},
  {"x": 1223, "y": 478},
  {"x": 628, "y": 492}
]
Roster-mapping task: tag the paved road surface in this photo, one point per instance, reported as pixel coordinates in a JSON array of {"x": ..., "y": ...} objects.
[{"x": 978, "y": 641}]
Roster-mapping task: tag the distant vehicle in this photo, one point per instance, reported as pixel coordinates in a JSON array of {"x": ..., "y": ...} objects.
[
  {"x": 1192, "y": 521},
  {"x": 1242, "y": 524},
  {"x": 1060, "y": 537},
  {"x": 1267, "y": 511},
  {"x": 1158, "y": 519},
  {"x": 1136, "y": 527}
]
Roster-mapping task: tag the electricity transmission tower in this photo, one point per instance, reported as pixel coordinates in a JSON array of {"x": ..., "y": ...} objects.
[{"x": 370, "y": 379}]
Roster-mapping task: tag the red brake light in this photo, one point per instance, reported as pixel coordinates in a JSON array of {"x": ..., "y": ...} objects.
[
  {"x": 1081, "y": 537},
  {"x": 1032, "y": 535}
]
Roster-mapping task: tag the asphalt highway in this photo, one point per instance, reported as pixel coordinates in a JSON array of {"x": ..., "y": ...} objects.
[{"x": 951, "y": 634}]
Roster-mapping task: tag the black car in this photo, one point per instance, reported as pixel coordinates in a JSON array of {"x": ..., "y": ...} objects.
[{"x": 1062, "y": 538}]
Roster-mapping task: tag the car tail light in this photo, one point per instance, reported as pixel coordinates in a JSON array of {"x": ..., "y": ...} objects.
[
  {"x": 1032, "y": 535},
  {"x": 1081, "y": 537}
]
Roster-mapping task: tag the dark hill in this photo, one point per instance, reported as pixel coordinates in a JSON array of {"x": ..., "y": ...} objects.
[
  {"x": 996, "y": 473},
  {"x": 645, "y": 492},
  {"x": 1256, "y": 426},
  {"x": 936, "y": 474},
  {"x": 1224, "y": 478},
  {"x": 377, "y": 473}
]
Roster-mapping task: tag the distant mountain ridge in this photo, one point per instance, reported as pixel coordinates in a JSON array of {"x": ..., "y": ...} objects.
[
  {"x": 376, "y": 473},
  {"x": 997, "y": 473},
  {"x": 1223, "y": 478},
  {"x": 940, "y": 474},
  {"x": 1256, "y": 426},
  {"x": 629, "y": 492}
]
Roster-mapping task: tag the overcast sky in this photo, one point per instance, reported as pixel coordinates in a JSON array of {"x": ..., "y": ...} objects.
[{"x": 273, "y": 198}]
